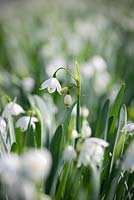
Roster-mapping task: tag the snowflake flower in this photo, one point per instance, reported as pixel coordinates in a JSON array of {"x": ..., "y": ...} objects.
[
  {"x": 24, "y": 121},
  {"x": 12, "y": 108},
  {"x": 52, "y": 85}
]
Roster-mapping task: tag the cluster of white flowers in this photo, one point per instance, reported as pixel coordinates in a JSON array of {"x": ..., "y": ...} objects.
[
  {"x": 129, "y": 128},
  {"x": 86, "y": 130},
  {"x": 21, "y": 174},
  {"x": 96, "y": 68},
  {"x": 92, "y": 151}
]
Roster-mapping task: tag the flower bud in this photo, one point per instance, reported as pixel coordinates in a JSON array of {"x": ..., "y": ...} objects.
[
  {"x": 68, "y": 100},
  {"x": 64, "y": 90}
]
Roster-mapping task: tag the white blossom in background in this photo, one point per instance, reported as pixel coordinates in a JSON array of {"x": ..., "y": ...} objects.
[
  {"x": 24, "y": 121},
  {"x": 28, "y": 84},
  {"x": 3, "y": 127},
  {"x": 84, "y": 111},
  {"x": 21, "y": 189},
  {"x": 86, "y": 130},
  {"x": 128, "y": 161},
  {"x": 52, "y": 85},
  {"x": 92, "y": 151},
  {"x": 87, "y": 70},
  {"x": 128, "y": 128},
  {"x": 9, "y": 167},
  {"x": 36, "y": 164},
  {"x": 67, "y": 100},
  {"x": 53, "y": 66},
  {"x": 101, "y": 82},
  {"x": 94, "y": 66},
  {"x": 12, "y": 108},
  {"x": 69, "y": 153},
  {"x": 98, "y": 64}
]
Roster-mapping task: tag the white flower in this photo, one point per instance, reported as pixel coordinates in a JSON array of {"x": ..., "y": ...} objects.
[
  {"x": 24, "y": 121},
  {"x": 98, "y": 63},
  {"x": 86, "y": 130},
  {"x": 2, "y": 126},
  {"x": 84, "y": 112},
  {"x": 128, "y": 162},
  {"x": 52, "y": 85},
  {"x": 12, "y": 108},
  {"x": 36, "y": 164},
  {"x": 68, "y": 100},
  {"x": 9, "y": 167},
  {"x": 28, "y": 84},
  {"x": 92, "y": 151},
  {"x": 101, "y": 82},
  {"x": 74, "y": 134},
  {"x": 69, "y": 153},
  {"x": 128, "y": 128}
]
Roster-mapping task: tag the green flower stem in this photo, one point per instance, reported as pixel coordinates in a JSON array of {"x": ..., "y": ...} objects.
[
  {"x": 68, "y": 71},
  {"x": 78, "y": 115},
  {"x": 77, "y": 80}
]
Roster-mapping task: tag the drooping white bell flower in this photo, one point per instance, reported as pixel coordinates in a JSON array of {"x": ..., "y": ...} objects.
[
  {"x": 128, "y": 128},
  {"x": 68, "y": 100},
  {"x": 86, "y": 130},
  {"x": 69, "y": 153},
  {"x": 24, "y": 121},
  {"x": 128, "y": 161},
  {"x": 2, "y": 126},
  {"x": 84, "y": 111},
  {"x": 36, "y": 164},
  {"x": 12, "y": 108},
  {"x": 52, "y": 85},
  {"x": 92, "y": 151}
]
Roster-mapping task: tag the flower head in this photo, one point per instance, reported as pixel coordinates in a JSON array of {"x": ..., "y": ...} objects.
[
  {"x": 92, "y": 151},
  {"x": 69, "y": 153},
  {"x": 36, "y": 164},
  {"x": 128, "y": 128},
  {"x": 52, "y": 85},
  {"x": 68, "y": 100},
  {"x": 24, "y": 121},
  {"x": 86, "y": 130},
  {"x": 12, "y": 108}
]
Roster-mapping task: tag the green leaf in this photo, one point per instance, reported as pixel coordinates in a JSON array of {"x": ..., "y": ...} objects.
[
  {"x": 102, "y": 125},
  {"x": 121, "y": 141},
  {"x": 39, "y": 129},
  {"x": 29, "y": 137},
  {"x": 116, "y": 107},
  {"x": 56, "y": 148},
  {"x": 19, "y": 139},
  {"x": 77, "y": 72},
  {"x": 11, "y": 130},
  {"x": 3, "y": 145},
  {"x": 68, "y": 117},
  {"x": 115, "y": 139},
  {"x": 14, "y": 148}
]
